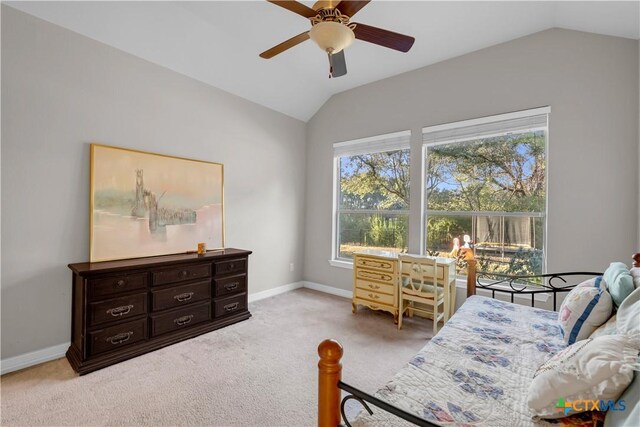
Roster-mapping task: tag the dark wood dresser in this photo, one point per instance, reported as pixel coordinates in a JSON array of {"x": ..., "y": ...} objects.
[{"x": 122, "y": 309}]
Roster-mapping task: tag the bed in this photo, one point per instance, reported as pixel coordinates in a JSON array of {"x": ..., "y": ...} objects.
[{"x": 475, "y": 372}]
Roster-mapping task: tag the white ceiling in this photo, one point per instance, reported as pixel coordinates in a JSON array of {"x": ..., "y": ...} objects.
[{"x": 218, "y": 42}]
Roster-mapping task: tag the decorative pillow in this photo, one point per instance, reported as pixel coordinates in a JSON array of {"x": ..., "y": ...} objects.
[
  {"x": 635, "y": 275},
  {"x": 591, "y": 370},
  {"x": 583, "y": 310},
  {"x": 619, "y": 282},
  {"x": 629, "y": 315},
  {"x": 631, "y": 414},
  {"x": 610, "y": 327},
  {"x": 591, "y": 283}
]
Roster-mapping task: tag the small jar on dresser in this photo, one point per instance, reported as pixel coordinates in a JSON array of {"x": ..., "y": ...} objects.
[{"x": 122, "y": 309}]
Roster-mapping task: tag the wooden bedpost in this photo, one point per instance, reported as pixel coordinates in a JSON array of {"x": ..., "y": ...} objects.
[
  {"x": 471, "y": 271},
  {"x": 636, "y": 259},
  {"x": 329, "y": 373}
]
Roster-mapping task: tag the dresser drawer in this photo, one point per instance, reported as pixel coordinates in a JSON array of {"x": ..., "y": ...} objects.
[
  {"x": 117, "y": 336},
  {"x": 376, "y": 287},
  {"x": 178, "y": 296},
  {"x": 375, "y": 297},
  {"x": 376, "y": 263},
  {"x": 379, "y": 276},
  {"x": 180, "y": 319},
  {"x": 117, "y": 308},
  {"x": 229, "y": 305},
  {"x": 181, "y": 273},
  {"x": 230, "y": 285},
  {"x": 237, "y": 265},
  {"x": 108, "y": 286}
]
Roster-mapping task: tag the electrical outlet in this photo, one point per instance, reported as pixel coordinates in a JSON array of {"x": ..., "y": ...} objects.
[{"x": 291, "y": 267}]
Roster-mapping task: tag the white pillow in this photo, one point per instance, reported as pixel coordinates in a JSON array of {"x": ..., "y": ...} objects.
[
  {"x": 635, "y": 274},
  {"x": 610, "y": 327},
  {"x": 594, "y": 369},
  {"x": 584, "y": 309},
  {"x": 591, "y": 283},
  {"x": 629, "y": 315}
]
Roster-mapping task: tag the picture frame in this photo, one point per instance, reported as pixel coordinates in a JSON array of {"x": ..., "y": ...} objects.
[{"x": 145, "y": 204}]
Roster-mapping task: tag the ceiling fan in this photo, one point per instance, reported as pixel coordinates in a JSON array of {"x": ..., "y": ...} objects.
[{"x": 333, "y": 31}]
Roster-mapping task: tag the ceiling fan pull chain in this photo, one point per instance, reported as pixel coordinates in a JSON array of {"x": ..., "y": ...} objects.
[{"x": 330, "y": 63}]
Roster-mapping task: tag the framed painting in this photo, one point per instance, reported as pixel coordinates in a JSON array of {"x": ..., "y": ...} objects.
[{"x": 145, "y": 204}]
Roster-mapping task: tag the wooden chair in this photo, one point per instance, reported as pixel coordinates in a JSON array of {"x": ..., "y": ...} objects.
[{"x": 419, "y": 284}]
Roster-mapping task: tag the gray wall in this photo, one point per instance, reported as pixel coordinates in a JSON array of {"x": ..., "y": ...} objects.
[
  {"x": 61, "y": 91},
  {"x": 590, "y": 82}
]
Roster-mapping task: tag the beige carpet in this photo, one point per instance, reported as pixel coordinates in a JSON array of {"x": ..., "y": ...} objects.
[{"x": 258, "y": 372}]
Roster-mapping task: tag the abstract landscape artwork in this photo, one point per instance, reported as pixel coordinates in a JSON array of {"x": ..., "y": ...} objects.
[{"x": 145, "y": 204}]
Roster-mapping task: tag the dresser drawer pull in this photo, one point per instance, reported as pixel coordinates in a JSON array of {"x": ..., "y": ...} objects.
[
  {"x": 184, "y": 297},
  {"x": 180, "y": 321},
  {"x": 374, "y": 286},
  {"x": 120, "y": 311},
  {"x": 120, "y": 283},
  {"x": 232, "y": 286},
  {"x": 184, "y": 273},
  {"x": 231, "y": 266},
  {"x": 374, "y": 296},
  {"x": 120, "y": 338},
  {"x": 231, "y": 307}
]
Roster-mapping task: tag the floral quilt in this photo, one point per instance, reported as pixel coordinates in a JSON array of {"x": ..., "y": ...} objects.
[{"x": 476, "y": 371}]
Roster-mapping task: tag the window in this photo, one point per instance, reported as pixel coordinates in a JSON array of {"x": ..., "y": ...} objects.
[
  {"x": 371, "y": 204},
  {"x": 485, "y": 187}
]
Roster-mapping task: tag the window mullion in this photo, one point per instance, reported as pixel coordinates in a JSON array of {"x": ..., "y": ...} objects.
[{"x": 509, "y": 240}]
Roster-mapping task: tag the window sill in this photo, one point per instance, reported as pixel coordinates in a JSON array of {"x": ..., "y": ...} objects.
[
  {"x": 341, "y": 264},
  {"x": 460, "y": 284}
]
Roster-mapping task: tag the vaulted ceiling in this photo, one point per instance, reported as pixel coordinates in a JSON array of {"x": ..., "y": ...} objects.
[{"x": 218, "y": 42}]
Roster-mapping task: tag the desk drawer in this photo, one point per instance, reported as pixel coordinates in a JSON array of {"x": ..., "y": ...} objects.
[
  {"x": 378, "y": 276},
  {"x": 375, "y": 297},
  {"x": 117, "y": 336},
  {"x": 117, "y": 308},
  {"x": 108, "y": 286},
  {"x": 428, "y": 271},
  {"x": 376, "y": 263},
  {"x": 380, "y": 264},
  {"x": 181, "y": 273},
  {"x": 180, "y": 319},
  {"x": 178, "y": 296},
  {"x": 375, "y": 287}
]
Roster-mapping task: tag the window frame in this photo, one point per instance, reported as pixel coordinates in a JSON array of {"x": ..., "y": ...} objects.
[
  {"x": 424, "y": 212},
  {"x": 396, "y": 141}
]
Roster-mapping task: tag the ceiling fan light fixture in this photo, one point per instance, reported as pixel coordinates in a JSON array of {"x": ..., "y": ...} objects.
[{"x": 331, "y": 37}]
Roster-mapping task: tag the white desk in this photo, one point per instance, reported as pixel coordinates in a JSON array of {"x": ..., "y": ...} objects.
[{"x": 376, "y": 280}]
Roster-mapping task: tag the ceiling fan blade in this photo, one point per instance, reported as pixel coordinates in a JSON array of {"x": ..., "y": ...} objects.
[
  {"x": 350, "y": 7},
  {"x": 338, "y": 64},
  {"x": 295, "y": 7},
  {"x": 384, "y": 38},
  {"x": 285, "y": 45}
]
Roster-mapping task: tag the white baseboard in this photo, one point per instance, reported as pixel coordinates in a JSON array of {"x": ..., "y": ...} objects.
[
  {"x": 275, "y": 291},
  {"x": 57, "y": 351},
  {"x": 328, "y": 289},
  {"x": 22, "y": 361}
]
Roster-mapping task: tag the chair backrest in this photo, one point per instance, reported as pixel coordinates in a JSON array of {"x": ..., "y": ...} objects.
[{"x": 418, "y": 272}]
